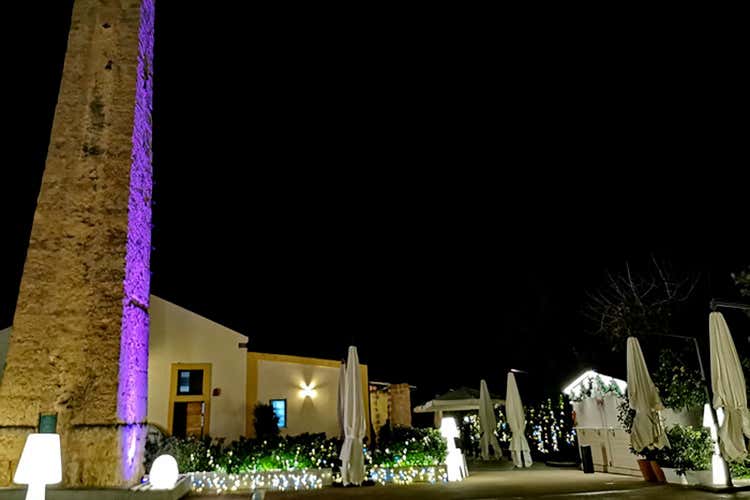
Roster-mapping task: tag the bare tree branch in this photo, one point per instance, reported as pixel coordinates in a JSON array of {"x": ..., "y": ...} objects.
[{"x": 634, "y": 304}]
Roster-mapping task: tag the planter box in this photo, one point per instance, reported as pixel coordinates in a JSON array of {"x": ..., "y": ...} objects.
[
  {"x": 692, "y": 417},
  {"x": 673, "y": 477},
  {"x": 703, "y": 477},
  {"x": 219, "y": 482}
]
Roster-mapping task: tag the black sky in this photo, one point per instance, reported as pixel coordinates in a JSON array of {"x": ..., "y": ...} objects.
[{"x": 439, "y": 190}]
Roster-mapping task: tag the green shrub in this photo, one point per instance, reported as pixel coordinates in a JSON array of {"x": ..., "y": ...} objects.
[
  {"x": 248, "y": 455},
  {"x": 191, "y": 453},
  {"x": 407, "y": 446},
  {"x": 401, "y": 446},
  {"x": 740, "y": 469},
  {"x": 679, "y": 385},
  {"x": 280, "y": 453},
  {"x": 690, "y": 449},
  {"x": 625, "y": 414}
]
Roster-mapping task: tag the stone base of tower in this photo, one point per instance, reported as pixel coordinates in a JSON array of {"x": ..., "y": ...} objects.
[
  {"x": 92, "y": 455},
  {"x": 11, "y": 445}
]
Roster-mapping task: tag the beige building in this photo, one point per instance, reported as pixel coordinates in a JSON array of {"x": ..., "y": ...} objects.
[
  {"x": 196, "y": 373},
  {"x": 303, "y": 391},
  {"x": 202, "y": 382}
]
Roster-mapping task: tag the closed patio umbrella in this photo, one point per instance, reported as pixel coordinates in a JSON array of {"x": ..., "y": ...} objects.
[
  {"x": 487, "y": 423},
  {"x": 519, "y": 447},
  {"x": 352, "y": 456},
  {"x": 643, "y": 396},
  {"x": 728, "y": 383}
]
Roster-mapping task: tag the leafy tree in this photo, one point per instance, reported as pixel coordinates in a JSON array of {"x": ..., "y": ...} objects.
[{"x": 742, "y": 280}]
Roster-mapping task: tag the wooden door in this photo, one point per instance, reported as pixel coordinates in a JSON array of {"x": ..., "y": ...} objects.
[{"x": 194, "y": 420}]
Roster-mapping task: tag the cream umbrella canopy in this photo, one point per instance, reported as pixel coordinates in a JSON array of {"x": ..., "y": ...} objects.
[
  {"x": 352, "y": 456},
  {"x": 487, "y": 423},
  {"x": 728, "y": 384},
  {"x": 643, "y": 396},
  {"x": 519, "y": 447}
]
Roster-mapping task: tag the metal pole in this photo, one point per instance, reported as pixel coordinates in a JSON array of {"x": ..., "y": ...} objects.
[{"x": 715, "y": 304}]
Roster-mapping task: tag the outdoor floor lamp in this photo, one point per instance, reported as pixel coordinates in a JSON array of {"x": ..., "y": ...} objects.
[
  {"x": 40, "y": 464},
  {"x": 41, "y": 459}
]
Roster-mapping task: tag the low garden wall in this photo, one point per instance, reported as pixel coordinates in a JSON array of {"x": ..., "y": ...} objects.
[
  {"x": 407, "y": 475},
  {"x": 214, "y": 483}
]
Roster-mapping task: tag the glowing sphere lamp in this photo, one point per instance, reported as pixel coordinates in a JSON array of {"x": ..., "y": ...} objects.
[{"x": 164, "y": 473}]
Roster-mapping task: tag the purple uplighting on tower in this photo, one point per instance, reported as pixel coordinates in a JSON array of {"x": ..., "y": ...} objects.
[{"x": 133, "y": 378}]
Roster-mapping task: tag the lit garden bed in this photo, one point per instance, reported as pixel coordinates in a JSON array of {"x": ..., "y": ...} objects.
[
  {"x": 221, "y": 482},
  {"x": 407, "y": 475}
]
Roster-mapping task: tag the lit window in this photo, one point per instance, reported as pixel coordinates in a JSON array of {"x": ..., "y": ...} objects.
[
  {"x": 189, "y": 382},
  {"x": 279, "y": 409}
]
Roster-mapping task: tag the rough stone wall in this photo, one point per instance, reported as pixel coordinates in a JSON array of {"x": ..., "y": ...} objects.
[
  {"x": 64, "y": 353},
  {"x": 400, "y": 405},
  {"x": 379, "y": 402}
]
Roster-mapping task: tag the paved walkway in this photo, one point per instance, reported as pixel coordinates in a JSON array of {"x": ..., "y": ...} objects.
[{"x": 501, "y": 482}]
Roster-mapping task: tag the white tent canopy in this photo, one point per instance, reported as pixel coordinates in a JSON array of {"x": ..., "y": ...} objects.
[
  {"x": 519, "y": 446},
  {"x": 352, "y": 456},
  {"x": 460, "y": 399},
  {"x": 648, "y": 431},
  {"x": 583, "y": 381},
  {"x": 728, "y": 383}
]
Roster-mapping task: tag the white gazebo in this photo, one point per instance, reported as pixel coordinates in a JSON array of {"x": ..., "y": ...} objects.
[
  {"x": 594, "y": 398},
  {"x": 461, "y": 399}
]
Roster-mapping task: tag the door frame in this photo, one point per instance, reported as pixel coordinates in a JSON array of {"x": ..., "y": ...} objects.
[{"x": 203, "y": 398}]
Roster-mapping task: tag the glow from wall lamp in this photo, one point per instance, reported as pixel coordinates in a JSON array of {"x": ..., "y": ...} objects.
[{"x": 307, "y": 391}]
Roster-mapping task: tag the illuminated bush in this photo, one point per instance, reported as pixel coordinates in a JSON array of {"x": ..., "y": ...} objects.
[
  {"x": 248, "y": 455},
  {"x": 408, "y": 446},
  {"x": 280, "y": 453}
]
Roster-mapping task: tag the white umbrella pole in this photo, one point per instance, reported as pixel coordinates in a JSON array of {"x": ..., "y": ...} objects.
[
  {"x": 714, "y": 417},
  {"x": 715, "y": 304}
]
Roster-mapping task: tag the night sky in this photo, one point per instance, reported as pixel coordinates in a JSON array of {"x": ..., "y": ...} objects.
[{"x": 441, "y": 192}]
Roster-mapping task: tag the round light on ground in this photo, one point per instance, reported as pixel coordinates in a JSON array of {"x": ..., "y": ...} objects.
[{"x": 164, "y": 473}]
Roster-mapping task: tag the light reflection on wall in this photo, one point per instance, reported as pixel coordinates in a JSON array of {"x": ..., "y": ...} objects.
[{"x": 133, "y": 376}]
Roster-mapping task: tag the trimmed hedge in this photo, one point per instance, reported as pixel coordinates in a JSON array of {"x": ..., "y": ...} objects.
[
  {"x": 398, "y": 447},
  {"x": 408, "y": 446},
  {"x": 247, "y": 455}
]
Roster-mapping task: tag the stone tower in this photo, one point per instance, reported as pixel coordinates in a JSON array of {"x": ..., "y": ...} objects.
[{"x": 79, "y": 345}]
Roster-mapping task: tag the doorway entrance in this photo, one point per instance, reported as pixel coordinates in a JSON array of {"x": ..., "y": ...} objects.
[{"x": 190, "y": 399}]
